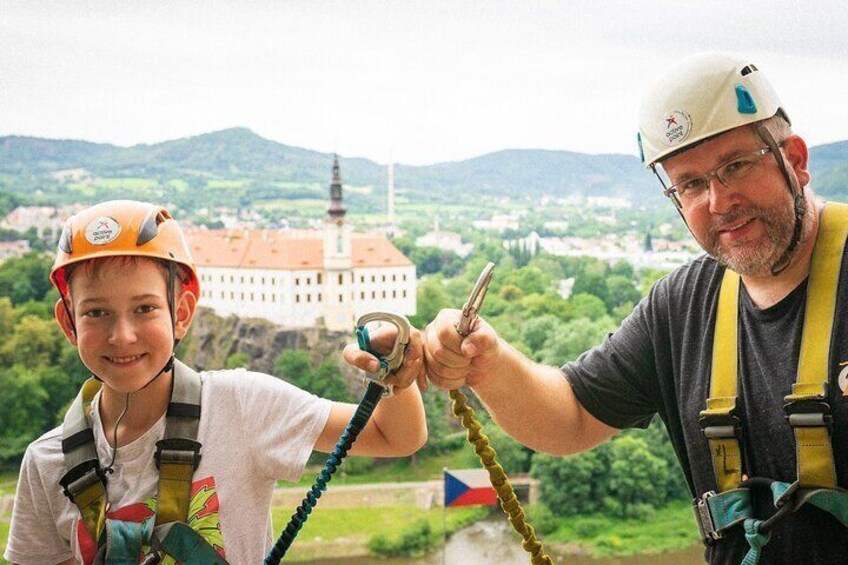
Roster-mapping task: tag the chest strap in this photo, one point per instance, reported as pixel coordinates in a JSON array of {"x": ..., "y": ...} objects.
[
  {"x": 807, "y": 410},
  {"x": 177, "y": 455}
]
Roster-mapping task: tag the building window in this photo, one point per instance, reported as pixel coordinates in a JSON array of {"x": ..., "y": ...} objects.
[
  {"x": 242, "y": 296},
  {"x": 404, "y": 294},
  {"x": 242, "y": 279},
  {"x": 222, "y": 294},
  {"x": 394, "y": 294},
  {"x": 297, "y": 298},
  {"x": 297, "y": 281},
  {"x": 263, "y": 280},
  {"x": 341, "y": 299},
  {"x": 384, "y": 294},
  {"x": 308, "y": 281},
  {"x": 251, "y": 297},
  {"x": 394, "y": 278},
  {"x": 384, "y": 278},
  {"x": 362, "y": 278},
  {"x": 263, "y": 297},
  {"x": 273, "y": 298},
  {"x": 319, "y": 298},
  {"x": 341, "y": 278},
  {"x": 273, "y": 281},
  {"x": 319, "y": 278},
  {"x": 373, "y": 278},
  {"x": 231, "y": 278},
  {"x": 373, "y": 294},
  {"x": 404, "y": 277},
  {"x": 251, "y": 280},
  {"x": 309, "y": 298},
  {"x": 362, "y": 295},
  {"x": 232, "y": 296},
  {"x": 222, "y": 278}
]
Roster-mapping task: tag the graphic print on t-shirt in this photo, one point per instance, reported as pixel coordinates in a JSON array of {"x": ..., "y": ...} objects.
[{"x": 203, "y": 518}]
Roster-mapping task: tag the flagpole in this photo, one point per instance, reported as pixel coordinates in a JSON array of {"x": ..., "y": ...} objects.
[{"x": 444, "y": 521}]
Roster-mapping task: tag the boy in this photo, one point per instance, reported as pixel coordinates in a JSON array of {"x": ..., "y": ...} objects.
[{"x": 128, "y": 291}]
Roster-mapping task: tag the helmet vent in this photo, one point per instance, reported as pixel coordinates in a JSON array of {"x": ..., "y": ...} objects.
[
  {"x": 65, "y": 241},
  {"x": 748, "y": 69},
  {"x": 149, "y": 226}
]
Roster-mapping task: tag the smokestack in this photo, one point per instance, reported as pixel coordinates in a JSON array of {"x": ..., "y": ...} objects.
[{"x": 390, "y": 231}]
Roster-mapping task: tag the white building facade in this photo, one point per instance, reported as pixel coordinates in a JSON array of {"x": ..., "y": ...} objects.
[{"x": 299, "y": 278}]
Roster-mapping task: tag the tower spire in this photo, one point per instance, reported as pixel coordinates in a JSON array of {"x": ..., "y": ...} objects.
[{"x": 336, "y": 210}]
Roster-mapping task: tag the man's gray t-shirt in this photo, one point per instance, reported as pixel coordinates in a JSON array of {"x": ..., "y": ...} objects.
[{"x": 658, "y": 362}]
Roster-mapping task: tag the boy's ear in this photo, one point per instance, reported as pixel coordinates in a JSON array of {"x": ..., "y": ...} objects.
[
  {"x": 64, "y": 321},
  {"x": 186, "y": 308}
]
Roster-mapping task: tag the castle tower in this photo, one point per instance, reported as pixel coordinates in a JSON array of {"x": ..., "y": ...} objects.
[{"x": 338, "y": 306}]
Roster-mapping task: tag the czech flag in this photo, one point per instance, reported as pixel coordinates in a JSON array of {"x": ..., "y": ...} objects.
[{"x": 469, "y": 487}]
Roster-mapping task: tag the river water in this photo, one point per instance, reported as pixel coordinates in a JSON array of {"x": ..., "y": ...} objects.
[{"x": 495, "y": 543}]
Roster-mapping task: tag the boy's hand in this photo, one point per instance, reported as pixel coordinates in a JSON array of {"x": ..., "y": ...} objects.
[
  {"x": 382, "y": 340},
  {"x": 453, "y": 361}
]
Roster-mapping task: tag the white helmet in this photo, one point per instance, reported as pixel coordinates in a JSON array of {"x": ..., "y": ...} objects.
[{"x": 702, "y": 96}]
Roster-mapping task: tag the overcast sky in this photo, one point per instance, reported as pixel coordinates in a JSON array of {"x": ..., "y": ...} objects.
[{"x": 414, "y": 82}]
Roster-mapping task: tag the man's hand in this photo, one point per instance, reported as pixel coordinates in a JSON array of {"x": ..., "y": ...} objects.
[
  {"x": 382, "y": 341},
  {"x": 452, "y": 361}
]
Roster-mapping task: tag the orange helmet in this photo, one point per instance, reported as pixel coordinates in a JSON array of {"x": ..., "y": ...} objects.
[{"x": 122, "y": 228}]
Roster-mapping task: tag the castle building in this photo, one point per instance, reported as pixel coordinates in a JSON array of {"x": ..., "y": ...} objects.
[{"x": 300, "y": 278}]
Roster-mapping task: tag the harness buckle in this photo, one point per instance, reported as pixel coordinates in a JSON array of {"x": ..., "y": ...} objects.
[
  {"x": 809, "y": 412},
  {"x": 81, "y": 477},
  {"x": 704, "y": 518},
  {"x": 178, "y": 450},
  {"x": 716, "y": 426}
]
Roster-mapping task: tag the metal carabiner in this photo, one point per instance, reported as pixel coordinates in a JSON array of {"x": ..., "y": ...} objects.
[
  {"x": 471, "y": 308},
  {"x": 392, "y": 361}
]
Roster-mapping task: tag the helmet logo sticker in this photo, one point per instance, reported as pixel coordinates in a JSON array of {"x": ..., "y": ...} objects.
[
  {"x": 102, "y": 230},
  {"x": 677, "y": 127},
  {"x": 843, "y": 378}
]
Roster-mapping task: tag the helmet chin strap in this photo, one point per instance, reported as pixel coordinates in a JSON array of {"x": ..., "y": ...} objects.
[
  {"x": 799, "y": 202},
  {"x": 169, "y": 365}
]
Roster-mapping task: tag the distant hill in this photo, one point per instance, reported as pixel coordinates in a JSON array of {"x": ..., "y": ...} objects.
[{"x": 264, "y": 167}]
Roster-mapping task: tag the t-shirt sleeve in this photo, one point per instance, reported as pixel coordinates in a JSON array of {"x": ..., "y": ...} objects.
[
  {"x": 281, "y": 422},
  {"x": 617, "y": 380},
  {"x": 33, "y": 537}
]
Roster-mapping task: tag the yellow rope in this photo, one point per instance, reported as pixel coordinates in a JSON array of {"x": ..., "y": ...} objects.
[{"x": 509, "y": 503}]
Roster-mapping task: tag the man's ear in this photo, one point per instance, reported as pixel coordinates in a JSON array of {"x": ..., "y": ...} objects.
[
  {"x": 797, "y": 157},
  {"x": 186, "y": 307},
  {"x": 64, "y": 321}
]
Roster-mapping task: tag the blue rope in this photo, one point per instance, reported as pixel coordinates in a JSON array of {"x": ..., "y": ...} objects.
[{"x": 363, "y": 412}]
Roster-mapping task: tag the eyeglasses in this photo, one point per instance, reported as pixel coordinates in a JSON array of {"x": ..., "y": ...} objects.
[{"x": 693, "y": 190}]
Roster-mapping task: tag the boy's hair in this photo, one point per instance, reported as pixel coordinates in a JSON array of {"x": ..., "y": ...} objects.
[{"x": 93, "y": 268}]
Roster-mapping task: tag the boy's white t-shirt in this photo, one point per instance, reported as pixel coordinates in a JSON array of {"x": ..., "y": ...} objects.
[{"x": 255, "y": 429}]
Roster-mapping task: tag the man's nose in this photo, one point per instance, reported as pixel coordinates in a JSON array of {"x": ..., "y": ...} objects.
[{"x": 722, "y": 197}]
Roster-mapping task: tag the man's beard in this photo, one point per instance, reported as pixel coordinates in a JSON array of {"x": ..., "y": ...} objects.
[{"x": 753, "y": 257}]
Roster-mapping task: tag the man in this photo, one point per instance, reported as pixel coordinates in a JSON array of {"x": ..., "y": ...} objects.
[{"x": 713, "y": 131}]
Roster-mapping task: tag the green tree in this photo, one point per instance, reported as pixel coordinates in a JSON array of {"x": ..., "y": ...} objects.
[
  {"x": 637, "y": 478},
  {"x": 431, "y": 298},
  {"x": 575, "y": 484},
  {"x": 23, "y": 417},
  {"x": 585, "y": 305},
  {"x": 292, "y": 364},
  {"x": 572, "y": 339},
  {"x": 25, "y": 278},
  {"x": 327, "y": 382},
  {"x": 35, "y": 342},
  {"x": 537, "y": 330},
  {"x": 237, "y": 360},
  {"x": 621, "y": 290}
]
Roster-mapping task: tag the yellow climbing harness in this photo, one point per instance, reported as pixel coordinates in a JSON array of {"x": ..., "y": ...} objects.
[
  {"x": 807, "y": 410},
  {"x": 177, "y": 456}
]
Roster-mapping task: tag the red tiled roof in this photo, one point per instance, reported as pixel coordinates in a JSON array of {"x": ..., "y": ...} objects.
[{"x": 289, "y": 251}]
